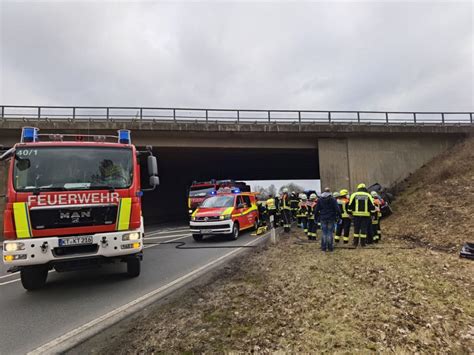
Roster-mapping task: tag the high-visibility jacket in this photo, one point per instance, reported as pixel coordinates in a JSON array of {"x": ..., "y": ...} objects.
[
  {"x": 361, "y": 204},
  {"x": 302, "y": 209},
  {"x": 311, "y": 207},
  {"x": 342, "y": 202},
  {"x": 285, "y": 202},
  {"x": 271, "y": 204}
]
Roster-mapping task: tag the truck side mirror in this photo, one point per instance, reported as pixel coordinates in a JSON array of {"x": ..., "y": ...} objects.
[
  {"x": 154, "y": 181},
  {"x": 152, "y": 166}
]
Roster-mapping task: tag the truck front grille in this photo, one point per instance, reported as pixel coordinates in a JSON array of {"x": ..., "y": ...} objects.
[{"x": 73, "y": 217}]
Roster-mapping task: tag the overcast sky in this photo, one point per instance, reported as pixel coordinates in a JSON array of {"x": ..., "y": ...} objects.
[{"x": 375, "y": 55}]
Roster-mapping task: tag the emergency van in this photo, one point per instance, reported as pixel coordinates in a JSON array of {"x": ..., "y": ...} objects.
[
  {"x": 73, "y": 201},
  {"x": 227, "y": 213},
  {"x": 199, "y": 191}
]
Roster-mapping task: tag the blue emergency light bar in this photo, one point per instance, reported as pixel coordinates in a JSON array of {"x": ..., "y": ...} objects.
[
  {"x": 124, "y": 136},
  {"x": 29, "y": 134}
]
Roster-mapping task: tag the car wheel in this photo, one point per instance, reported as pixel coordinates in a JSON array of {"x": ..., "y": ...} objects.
[
  {"x": 197, "y": 237},
  {"x": 34, "y": 277},
  {"x": 235, "y": 232}
]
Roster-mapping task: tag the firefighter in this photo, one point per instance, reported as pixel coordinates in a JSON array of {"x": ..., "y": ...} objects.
[
  {"x": 286, "y": 210},
  {"x": 294, "y": 201},
  {"x": 378, "y": 202},
  {"x": 344, "y": 224},
  {"x": 361, "y": 207},
  {"x": 272, "y": 210},
  {"x": 311, "y": 218},
  {"x": 263, "y": 213},
  {"x": 302, "y": 213},
  {"x": 299, "y": 222}
]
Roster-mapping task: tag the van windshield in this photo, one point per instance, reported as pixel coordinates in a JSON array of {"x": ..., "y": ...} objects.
[{"x": 218, "y": 201}]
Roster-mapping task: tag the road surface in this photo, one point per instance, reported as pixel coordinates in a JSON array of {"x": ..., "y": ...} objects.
[{"x": 28, "y": 320}]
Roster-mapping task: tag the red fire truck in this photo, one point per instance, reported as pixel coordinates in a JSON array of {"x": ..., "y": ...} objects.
[
  {"x": 199, "y": 191},
  {"x": 73, "y": 202}
]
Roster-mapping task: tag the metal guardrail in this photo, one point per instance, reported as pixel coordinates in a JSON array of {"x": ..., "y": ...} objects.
[{"x": 156, "y": 114}]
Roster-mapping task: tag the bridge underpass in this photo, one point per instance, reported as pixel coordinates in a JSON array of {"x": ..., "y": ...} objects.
[{"x": 179, "y": 167}]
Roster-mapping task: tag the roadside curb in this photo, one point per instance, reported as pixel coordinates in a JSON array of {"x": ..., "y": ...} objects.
[{"x": 88, "y": 330}]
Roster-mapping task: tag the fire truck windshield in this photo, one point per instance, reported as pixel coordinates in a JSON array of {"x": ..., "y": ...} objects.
[
  {"x": 218, "y": 201},
  {"x": 201, "y": 191},
  {"x": 72, "y": 168}
]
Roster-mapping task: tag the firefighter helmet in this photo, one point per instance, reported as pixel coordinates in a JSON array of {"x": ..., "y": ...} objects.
[
  {"x": 361, "y": 186},
  {"x": 344, "y": 192},
  {"x": 336, "y": 194},
  {"x": 312, "y": 197},
  {"x": 304, "y": 197},
  {"x": 285, "y": 190},
  {"x": 374, "y": 193}
]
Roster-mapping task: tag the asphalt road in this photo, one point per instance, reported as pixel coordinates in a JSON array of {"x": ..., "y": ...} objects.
[{"x": 30, "y": 319}]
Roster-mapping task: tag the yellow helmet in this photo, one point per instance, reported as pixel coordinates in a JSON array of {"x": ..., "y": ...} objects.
[
  {"x": 361, "y": 186},
  {"x": 344, "y": 192}
]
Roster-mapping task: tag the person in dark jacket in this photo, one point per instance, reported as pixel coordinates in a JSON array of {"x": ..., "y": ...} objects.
[{"x": 328, "y": 213}]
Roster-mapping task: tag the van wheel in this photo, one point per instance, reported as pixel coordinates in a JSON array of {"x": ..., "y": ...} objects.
[
  {"x": 255, "y": 225},
  {"x": 235, "y": 232},
  {"x": 34, "y": 277},
  {"x": 197, "y": 237},
  {"x": 133, "y": 267}
]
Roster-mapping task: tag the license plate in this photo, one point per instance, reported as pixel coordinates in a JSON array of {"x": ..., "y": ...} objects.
[{"x": 86, "y": 239}]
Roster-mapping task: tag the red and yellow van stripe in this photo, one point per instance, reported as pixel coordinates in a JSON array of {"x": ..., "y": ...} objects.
[{"x": 123, "y": 215}]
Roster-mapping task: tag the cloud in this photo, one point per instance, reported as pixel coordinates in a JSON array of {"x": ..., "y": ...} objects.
[{"x": 338, "y": 55}]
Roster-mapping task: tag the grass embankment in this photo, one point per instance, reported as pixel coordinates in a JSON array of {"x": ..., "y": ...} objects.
[{"x": 295, "y": 298}]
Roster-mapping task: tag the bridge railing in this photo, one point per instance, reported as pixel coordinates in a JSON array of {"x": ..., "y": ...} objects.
[{"x": 210, "y": 116}]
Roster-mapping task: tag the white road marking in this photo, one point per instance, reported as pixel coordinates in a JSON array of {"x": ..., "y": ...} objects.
[
  {"x": 5, "y": 276},
  {"x": 50, "y": 345},
  {"x": 168, "y": 236},
  {"x": 168, "y": 232},
  {"x": 11, "y": 281}
]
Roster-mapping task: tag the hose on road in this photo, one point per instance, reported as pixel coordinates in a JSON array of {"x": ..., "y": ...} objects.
[{"x": 181, "y": 245}]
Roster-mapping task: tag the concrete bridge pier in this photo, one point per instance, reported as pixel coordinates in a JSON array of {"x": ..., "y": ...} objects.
[{"x": 346, "y": 162}]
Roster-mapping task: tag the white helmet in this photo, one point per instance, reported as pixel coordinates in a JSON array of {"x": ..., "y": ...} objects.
[
  {"x": 336, "y": 194},
  {"x": 285, "y": 190},
  {"x": 304, "y": 197},
  {"x": 312, "y": 197},
  {"x": 374, "y": 193}
]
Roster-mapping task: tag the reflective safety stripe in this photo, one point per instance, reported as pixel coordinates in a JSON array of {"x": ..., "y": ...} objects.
[
  {"x": 195, "y": 212},
  {"x": 123, "y": 218},
  {"x": 22, "y": 220},
  {"x": 356, "y": 235},
  {"x": 227, "y": 211},
  {"x": 337, "y": 237},
  {"x": 345, "y": 239},
  {"x": 363, "y": 236}
]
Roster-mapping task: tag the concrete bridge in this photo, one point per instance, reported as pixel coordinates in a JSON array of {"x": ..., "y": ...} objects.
[{"x": 342, "y": 148}]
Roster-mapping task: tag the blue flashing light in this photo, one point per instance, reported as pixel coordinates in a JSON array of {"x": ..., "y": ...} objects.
[
  {"x": 124, "y": 136},
  {"x": 213, "y": 192},
  {"x": 29, "y": 134},
  {"x": 236, "y": 191}
]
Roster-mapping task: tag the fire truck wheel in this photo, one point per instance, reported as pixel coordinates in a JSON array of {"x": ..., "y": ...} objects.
[
  {"x": 33, "y": 277},
  {"x": 235, "y": 232},
  {"x": 133, "y": 267},
  {"x": 197, "y": 237}
]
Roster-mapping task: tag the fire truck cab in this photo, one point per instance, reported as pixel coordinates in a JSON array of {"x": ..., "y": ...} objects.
[
  {"x": 227, "y": 213},
  {"x": 73, "y": 202}
]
